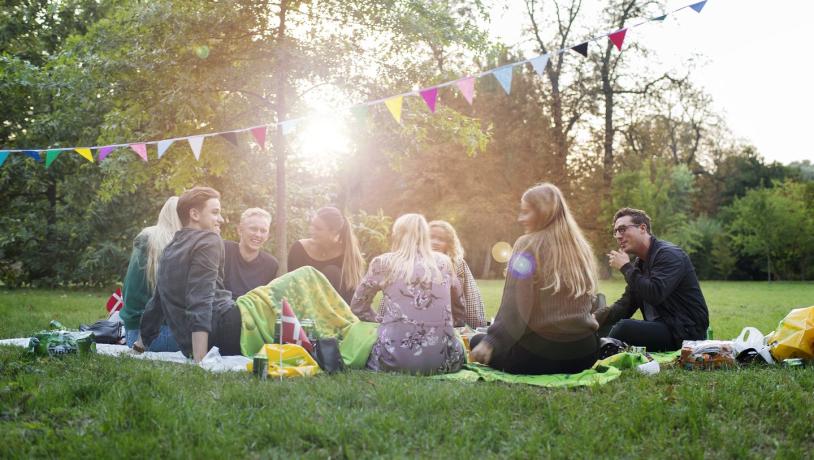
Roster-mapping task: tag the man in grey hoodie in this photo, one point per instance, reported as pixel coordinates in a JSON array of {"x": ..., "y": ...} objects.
[{"x": 189, "y": 295}]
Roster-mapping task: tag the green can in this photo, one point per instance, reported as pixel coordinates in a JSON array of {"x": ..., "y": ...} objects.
[
  {"x": 793, "y": 362},
  {"x": 260, "y": 366},
  {"x": 55, "y": 325},
  {"x": 86, "y": 344}
]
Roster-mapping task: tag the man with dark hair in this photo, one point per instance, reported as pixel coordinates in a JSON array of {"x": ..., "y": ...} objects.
[
  {"x": 661, "y": 282},
  {"x": 189, "y": 294}
]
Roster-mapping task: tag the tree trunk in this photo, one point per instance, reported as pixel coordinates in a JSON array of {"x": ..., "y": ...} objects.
[
  {"x": 487, "y": 264},
  {"x": 280, "y": 145}
]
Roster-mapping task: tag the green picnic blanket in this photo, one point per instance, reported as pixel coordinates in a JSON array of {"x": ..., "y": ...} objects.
[
  {"x": 475, "y": 372},
  {"x": 309, "y": 294}
]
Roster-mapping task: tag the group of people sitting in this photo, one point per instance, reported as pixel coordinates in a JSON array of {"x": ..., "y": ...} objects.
[{"x": 184, "y": 283}]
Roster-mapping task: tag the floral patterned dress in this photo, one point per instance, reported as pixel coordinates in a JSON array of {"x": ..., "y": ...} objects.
[{"x": 416, "y": 334}]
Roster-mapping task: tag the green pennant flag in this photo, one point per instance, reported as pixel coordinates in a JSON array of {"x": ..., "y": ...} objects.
[
  {"x": 50, "y": 156},
  {"x": 360, "y": 115}
]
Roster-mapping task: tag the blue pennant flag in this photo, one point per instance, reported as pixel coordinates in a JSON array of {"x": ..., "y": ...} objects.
[
  {"x": 698, "y": 6},
  {"x": 504, "y": 77},
  {"x": 35, "y": 154},
  {"x": 3, "y": 156}
]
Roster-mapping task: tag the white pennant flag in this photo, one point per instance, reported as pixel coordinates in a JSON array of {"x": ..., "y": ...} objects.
[
  {"x": 196, "y": 142},
  {"x": 163, "y": 146},
  {"x": 539, "y": 64}
]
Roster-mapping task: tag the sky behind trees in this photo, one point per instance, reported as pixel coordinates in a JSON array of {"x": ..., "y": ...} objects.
[{"x": 748, "y": 59}]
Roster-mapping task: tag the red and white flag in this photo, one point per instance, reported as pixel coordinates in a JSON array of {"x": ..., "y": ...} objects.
[
  {"x": 292, "y": 330},
  {"x": 115, "y": 303}
]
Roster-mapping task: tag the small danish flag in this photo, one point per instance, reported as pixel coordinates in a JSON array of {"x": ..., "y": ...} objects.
[
  {"x": 115, "y": 302},
  {"x": 292, "y": 330}
]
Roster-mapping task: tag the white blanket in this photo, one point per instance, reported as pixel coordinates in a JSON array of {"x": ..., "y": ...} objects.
[{"x": 213, "y": 361}]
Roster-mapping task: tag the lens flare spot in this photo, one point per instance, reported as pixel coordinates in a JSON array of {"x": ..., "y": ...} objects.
[{"x": 522, "y": 265}]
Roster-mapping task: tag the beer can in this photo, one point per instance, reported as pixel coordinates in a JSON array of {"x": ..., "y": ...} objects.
[
  {"x": 641, "y": 350},
  {"x": 260, "y": 366},
  {"x": 793, "y": 362},
  {"x": 55, "y": 325},
  {"x": 86, "y": 343}
]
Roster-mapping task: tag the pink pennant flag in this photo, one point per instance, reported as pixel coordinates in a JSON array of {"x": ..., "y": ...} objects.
[
  {"x": 104, "y": 152},
  {"x": 430, "y": 97},
  {"x": 617, "y": 38},
  {"x": 259, "y": 134},
  {"x": 141, "y": 149},
  {"x": 467, "y": 87}
]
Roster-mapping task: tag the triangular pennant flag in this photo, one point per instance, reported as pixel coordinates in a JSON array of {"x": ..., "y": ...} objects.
[
  {"x": 50, "y": 156},
  {"x": 360, "y": 113},
  {"x": 504, "y": 77},
  {"x": 617, "y": 38},
  {"x": 582, "y": 49},
  {"x": 287, "y": 126},
  {"x": 259, "y": 134},
  {"x": 104, "y": 152},
  {"x": 467, "y": 87},
  {"x": 141, "y": 149},
  {"x": 231, "y": 136},
  {"x": 3, "y": 156},
  {"x": 660, "y": 18},
  {"x": 292, "y": 331},
  {"x": 163, "y": 146},
  {"x": 698, "y": 6},
  {"x": 196, "y": 142},
  {"x": 539, "y": 63},
  {"x": 430, "y": 97},
  {"x": 394, "y": 106},
  {"x": 85, "y": 153},
  {"x": 35, "y": 154}
]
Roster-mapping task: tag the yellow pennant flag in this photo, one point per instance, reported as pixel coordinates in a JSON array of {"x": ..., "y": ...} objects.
[
  {"x": 394, "y": 106},
  {"x": 85, "y": 153}
]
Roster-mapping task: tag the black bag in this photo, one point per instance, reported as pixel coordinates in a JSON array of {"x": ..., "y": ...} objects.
[
  {"x": 609, "y": 347},
  {"x": 326, "y": 352},
  {"x": 106, "y": 331}
]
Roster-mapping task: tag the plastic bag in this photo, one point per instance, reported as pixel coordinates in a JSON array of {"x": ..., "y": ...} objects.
[
  {"x": 288, "y": 360},
  {"x": 707, "y": 354},
  {"x": 57, "y": 343},
  {"x": 750, "y": 344},
  {"x": 794, "y": 337}
]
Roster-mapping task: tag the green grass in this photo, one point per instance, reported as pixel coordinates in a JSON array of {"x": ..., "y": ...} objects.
[{"x": 102, "y": 406}]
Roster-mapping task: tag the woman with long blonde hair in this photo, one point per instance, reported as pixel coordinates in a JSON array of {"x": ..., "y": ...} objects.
[
  {"x": 545, "y": 324},
  {"x": 445, "y": 240},
  {"x": 139, "y": 282},
  {"x": 332, "y": 249},
  {"x": 422, "y": 304}
]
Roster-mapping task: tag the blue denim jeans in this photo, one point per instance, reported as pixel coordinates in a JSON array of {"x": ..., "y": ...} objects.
[{"x": 164, "y": 342}]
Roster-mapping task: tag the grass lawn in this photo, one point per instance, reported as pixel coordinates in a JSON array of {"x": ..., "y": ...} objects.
[{"x": 104, "y": 407}]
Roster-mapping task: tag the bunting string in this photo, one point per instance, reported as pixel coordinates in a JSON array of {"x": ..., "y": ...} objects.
[{"x": 465, "y": 85}]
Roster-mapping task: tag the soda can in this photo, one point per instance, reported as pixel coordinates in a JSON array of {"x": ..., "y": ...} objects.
[
  {"x": 86, "y": 344},
  {"x": 260, "y": 366},
  {"x": 55, "y": 325},
  {"x": 641, "y": 350}
]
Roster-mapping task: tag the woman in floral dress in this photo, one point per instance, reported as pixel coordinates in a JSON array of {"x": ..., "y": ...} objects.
[{"x": 422, "y": 304}]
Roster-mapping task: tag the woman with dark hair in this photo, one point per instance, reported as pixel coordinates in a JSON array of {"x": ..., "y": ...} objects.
[
  {"x": 545, "y": 324},
  {"x": 332, "y": 249}
]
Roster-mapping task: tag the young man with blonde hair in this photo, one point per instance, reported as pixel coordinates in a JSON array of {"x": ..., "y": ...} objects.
[{"x": 247, "y": 264}]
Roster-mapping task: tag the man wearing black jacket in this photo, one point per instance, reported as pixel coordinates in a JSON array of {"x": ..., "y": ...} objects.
[{"x": 661, "y": 282}]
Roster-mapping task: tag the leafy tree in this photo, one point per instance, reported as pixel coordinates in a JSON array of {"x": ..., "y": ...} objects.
[{"x": 776, "y": 224}]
